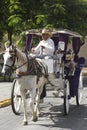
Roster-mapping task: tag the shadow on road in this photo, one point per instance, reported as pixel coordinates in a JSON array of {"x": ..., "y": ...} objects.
[{"x": 75, "y": 120}]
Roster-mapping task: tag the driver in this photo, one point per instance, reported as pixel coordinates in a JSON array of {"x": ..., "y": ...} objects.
[
  {"x": 46, "y": 45},
  {"x": 44, "y": 48}
]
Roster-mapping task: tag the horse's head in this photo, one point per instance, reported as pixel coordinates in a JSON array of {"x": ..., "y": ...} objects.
[{"x": 9, "y": 59}]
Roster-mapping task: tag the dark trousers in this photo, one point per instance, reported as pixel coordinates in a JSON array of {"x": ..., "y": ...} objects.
[{"x": 43, "y": 94}]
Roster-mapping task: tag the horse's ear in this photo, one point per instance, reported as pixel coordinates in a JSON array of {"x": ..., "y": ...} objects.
[
  {"x": 7, "y": 44},
  {"x": 13, "y": 46}
]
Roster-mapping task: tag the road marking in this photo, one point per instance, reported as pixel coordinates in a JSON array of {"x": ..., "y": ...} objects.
[{"x": 5, "y": 102}]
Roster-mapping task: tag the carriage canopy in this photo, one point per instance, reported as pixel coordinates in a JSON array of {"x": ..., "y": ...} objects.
[{"x": 58, "y": 36}]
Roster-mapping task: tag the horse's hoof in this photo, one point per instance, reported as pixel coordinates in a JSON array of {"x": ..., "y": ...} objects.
[
  {"x": 25, "y": 122},
  {"x": 39, "y": 115},
  {"x": 34, "y": 119}
]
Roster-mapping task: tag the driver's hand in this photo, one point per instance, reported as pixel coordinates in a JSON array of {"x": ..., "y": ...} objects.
[{"x": 32, "y": 50}]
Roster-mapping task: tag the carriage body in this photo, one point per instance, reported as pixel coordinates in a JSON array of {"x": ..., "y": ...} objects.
[{"x": 69, "y": 63}]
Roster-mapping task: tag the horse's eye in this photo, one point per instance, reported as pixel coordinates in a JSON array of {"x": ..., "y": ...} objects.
[{"x": 10, "y": 58}]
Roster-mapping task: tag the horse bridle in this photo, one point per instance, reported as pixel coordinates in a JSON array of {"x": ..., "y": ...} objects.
[{"x": 14, "y": 56}]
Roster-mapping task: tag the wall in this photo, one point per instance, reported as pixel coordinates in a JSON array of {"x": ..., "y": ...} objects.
[{"x": 83, "y": 51}]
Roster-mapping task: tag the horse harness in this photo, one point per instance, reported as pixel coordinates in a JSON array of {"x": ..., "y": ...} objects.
[{"x": 34, "y": 67}]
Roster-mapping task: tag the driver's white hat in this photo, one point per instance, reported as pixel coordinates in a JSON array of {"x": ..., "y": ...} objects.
[{"x": 46, "y": 31}]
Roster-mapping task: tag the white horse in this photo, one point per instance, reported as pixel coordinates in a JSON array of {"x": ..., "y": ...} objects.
[{"x": 32, "y": 73}]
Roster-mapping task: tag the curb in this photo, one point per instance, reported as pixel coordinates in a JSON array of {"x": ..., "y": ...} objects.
[
  {"x": 5, "y": 102},
  {"x": 84, "y": 71}
]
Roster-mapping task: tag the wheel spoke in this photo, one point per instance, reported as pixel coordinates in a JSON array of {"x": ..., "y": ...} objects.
[{"x": 66, "y": 97}]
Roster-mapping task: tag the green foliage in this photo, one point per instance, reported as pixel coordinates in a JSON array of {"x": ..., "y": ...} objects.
[
  {"x": 22, "y": 40},
  {"x": 19, "y": 15},
  {"x": 14, "y": 20}
]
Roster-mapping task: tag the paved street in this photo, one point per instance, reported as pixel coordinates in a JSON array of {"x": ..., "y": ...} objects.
[
  {"x": 52, "y": 117},
  {"x": 5, "y": 90}
]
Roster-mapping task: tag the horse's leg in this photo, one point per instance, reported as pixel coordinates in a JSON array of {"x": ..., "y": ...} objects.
[
  {"x": 43, "y": 92},
  {"x": 37, "y": 101},
  {"x": 24, "y": 107},
  {"x": 31, "y": 103},
  {"x": 38, "y": 95}
]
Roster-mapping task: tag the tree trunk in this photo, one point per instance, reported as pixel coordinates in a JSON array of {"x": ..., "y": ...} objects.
[{"x": 10, "y": 32}]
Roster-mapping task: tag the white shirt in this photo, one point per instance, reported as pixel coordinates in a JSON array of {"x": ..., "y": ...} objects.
[{"x": 49, "y": 47}]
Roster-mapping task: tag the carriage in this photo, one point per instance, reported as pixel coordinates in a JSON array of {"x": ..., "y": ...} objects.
[{"x": 68, "y": 63}]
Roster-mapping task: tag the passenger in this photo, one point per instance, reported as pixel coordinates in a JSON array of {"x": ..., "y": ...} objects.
[{"x": 69, "y": 68}]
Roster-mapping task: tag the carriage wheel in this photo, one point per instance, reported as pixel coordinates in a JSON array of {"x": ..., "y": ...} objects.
[
  {"x": 16, "y": 100},
  {"x": 66, "y": 97},
  {"x": 79, "y": 94}
]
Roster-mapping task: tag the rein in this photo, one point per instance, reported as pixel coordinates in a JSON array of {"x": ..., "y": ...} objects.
[
  {"x": 9, "y": 66},
  {"x": 20, "y": 66}
]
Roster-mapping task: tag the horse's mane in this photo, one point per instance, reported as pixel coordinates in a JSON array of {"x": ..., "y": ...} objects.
[{"x": 21, "y": 55}]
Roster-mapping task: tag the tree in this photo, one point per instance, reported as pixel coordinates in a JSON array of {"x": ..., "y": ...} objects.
[
  {"x": 19, "y": 15},
  {"x": 10, "y": 16},
  {"x": 76, "y": 12}
]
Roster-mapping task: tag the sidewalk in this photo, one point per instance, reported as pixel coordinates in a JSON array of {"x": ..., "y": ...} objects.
[{"x": 5, "y": 93}]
